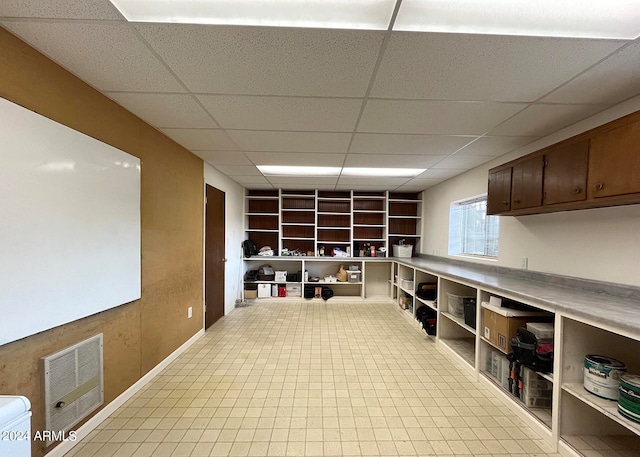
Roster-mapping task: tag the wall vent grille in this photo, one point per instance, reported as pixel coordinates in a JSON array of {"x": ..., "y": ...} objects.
[{"x": 73, "y": 384}]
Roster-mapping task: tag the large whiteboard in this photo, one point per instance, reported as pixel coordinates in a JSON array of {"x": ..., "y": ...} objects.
[{"x": 69, "y": 224}]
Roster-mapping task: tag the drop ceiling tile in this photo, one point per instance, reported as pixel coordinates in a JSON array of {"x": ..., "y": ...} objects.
[
  {"x": 55, "y": 9},
  {"x": 434, "y": 117},
  {"x": 391, "y": 161},
  {"x": 412, "y": 188},
  {"x": 482, "y": 67},
  {"x": 424, "y": 183},
  {"x": 165, "y": 110},
  {"x": 266, "y": 60},
  {"x": 283, "y": 113},
  {"x": 239, "y": 170},
  {"x": 360, "y": 183},
  {"x": 305, "y": 186},
  {"x": 313, "y": 182},
  {"x": 376, "y": 143},
  {"x": 253, "y": 182},
  {"x": 611, "y": 81},
  {"x": 440, "y": 173},
  {"x": 201, "y": 139},
  {"x": 543, "y": 119},
  {"x": 297, "y": 158},
  {"x": 107, "y": 55},
  {"x": 364, "y": 187},
  {"x": 463, "y": 161},
  {"x": 223, "y": 157},
  {"x": 495, "y": 145},
  {"x": 258, "y": 140}
]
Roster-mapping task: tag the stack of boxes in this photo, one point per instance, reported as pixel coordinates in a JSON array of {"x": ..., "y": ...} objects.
[
  {"x": 500, "y": 325},
  {"x": 536, "y": 392}
]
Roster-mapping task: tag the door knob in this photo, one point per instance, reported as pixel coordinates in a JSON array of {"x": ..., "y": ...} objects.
[
  {"x": 224, "y": 259},
  {"x": 599, "y": 186},
  {"x": 577, "y": 190}
]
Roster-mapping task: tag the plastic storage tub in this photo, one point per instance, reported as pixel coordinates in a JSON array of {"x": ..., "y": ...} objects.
[
  {"x": 294, "y": 290},
  {"x": 406, "y": 284},
  {"x": 456, "y": 304},
  {"x": 542, "y": 330},
  {"x": 354, "y": 276},
  {"x": 402, "y": 250}
]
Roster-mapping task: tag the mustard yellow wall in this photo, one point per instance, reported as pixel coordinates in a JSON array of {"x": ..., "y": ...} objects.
[{"x": 140, "y": 334}]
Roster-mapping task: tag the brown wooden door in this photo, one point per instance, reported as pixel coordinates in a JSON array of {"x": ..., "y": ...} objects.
[
  {"x": 499, "y": 193},
  {"x": 214, "y": 256},
  {"x": 565, "y": 173},
  {"x": 526, "y": 183},
  {"x": 614, "y": 162}
]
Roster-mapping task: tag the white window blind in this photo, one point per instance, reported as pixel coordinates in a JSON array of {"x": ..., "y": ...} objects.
[{"x": 471, "y": 231}]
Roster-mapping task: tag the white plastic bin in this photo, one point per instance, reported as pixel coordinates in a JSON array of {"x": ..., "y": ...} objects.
[
  {"x": 264, "y": 290},
  {"x": 456, "y": 304},
  {"x": 402, "y": 250},
  {"x": 542, "y": 330},
  {"x": 406, "y": 284}
]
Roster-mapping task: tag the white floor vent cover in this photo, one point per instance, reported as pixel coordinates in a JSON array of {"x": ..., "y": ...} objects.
[{"x": 73, "y": 383}]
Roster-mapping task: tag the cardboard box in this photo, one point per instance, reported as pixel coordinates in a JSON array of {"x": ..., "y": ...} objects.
[
  {"x": 249, "y": 294},
  {"x": 294, "y": 290},
  {"x": 500, "y": 324}
]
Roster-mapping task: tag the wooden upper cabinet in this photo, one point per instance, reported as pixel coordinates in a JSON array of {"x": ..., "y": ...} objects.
[
  {"x": 526, "y": 183},
  {"x": 565, "y": 173},
  {"x": 499, "y": 194},
  {"x": 614, "y": 162},
  {"x": 597, "y": 168}
]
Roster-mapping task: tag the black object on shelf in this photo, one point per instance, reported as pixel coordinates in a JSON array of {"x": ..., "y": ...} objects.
[
  {"x": 428, "y": 318},
  {"x": 470, "y": 313}
]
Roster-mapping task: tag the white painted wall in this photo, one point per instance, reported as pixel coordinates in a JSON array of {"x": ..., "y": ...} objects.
[
  {"x": 601, "y": 244},
  {"x": 234, "y": 231}
]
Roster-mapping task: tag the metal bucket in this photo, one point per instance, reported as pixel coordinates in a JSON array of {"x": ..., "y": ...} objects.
[
  {"x": 602, "y": 376},
  {"x": 629, "y": 401}
]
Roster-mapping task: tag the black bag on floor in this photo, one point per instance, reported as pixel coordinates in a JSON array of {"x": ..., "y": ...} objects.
[{"x": 327, "y": 293}]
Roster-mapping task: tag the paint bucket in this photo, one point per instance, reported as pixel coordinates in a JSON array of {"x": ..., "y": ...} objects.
[
  {"x": 602, "y": 376},
  {"x": 629, "y": 401}
]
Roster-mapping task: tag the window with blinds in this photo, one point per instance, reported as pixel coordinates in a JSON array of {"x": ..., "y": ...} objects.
[{"x": 471, "y": 231}]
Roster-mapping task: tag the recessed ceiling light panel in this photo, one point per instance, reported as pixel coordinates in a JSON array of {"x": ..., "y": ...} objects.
[
  {"x": 332, "y": 14},
  {"x": 278, "y": 170},
  {"x": 612, "y": 19},
  {"x": 382, "y": 172}
]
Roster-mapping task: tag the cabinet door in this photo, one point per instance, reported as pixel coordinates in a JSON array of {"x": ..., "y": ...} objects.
[
  {"x": 565, "y": 173},
  {"x": 499, "y": 193},
  {"x": 614, "y": 162},
  {"x": 526, "y": 188}
]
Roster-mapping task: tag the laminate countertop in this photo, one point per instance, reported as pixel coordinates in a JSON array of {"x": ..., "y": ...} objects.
[{"x": 607, "y": 305}]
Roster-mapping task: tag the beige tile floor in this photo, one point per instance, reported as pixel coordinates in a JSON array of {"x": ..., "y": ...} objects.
[{"x": 315, "y": 379}]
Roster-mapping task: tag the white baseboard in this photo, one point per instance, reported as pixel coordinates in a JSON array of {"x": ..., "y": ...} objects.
[
  {"x": 566, "y": 450},
  {"x": 105, "y": 412}
]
